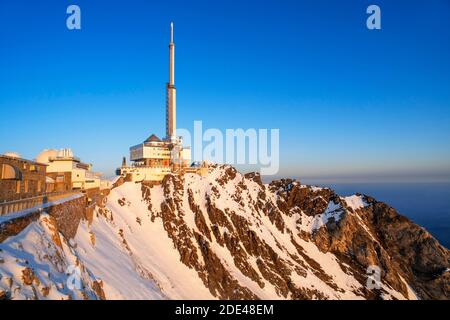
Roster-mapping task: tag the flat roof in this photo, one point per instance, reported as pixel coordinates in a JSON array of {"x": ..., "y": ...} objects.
[{"x": 23, "y": 160}]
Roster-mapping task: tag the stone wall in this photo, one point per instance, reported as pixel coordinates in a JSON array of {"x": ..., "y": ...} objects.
[
  {"x": 13, "y": 227},
  {"x": 30, "y": 184},
  {"x": 67, "y": 214},
  {"x": 95, "y": 199},
  {"x": 63, "y": 181}
]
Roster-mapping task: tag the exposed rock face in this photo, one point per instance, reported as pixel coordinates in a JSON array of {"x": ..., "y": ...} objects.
[
  {"x": 359, "y": 231},
  {"x": 423, "y": 260},
  {"x": 229, "y": 236},
  {"x": 3, "y": 295}
]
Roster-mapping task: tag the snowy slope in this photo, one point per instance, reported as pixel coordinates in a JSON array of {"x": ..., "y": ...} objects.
[
  {"x": 223, "y": 236},
  {"x": 125, "y": 228},
  {"x": 34, "y": 265},
  {"x": 128, "y": 254}
]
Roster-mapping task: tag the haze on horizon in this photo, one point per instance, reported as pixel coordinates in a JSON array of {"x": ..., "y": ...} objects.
[{"x": 351, "y": 104}]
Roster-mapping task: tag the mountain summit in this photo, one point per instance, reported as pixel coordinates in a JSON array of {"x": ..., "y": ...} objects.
[{"x": 227, "y": 236}]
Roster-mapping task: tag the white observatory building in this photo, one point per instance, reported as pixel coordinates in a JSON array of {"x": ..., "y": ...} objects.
[{"x": 153, "y": 159}]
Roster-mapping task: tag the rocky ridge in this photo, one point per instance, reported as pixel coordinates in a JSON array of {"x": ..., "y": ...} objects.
[{"x": 229, "y": 236}]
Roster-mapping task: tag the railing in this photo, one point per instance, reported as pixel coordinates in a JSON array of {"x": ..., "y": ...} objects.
[
  {"x": 146, "y": 167},
  {"x": 27, "y": 203}
]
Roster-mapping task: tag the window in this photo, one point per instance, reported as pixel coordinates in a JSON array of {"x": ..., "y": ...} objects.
[
  {"x": 25, "y": 186},
  {"x": 17, "y": 186},
  {"x": 9, "y": 172},
  {"x": 39, "y": 186}
]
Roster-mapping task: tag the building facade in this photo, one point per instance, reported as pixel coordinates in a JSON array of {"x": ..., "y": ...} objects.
[
  {"x": 20, "y": 178},
  {"x": 67, "y": 172}
]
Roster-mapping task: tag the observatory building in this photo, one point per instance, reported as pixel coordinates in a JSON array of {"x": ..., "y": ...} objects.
[
  {"x": 154, "y": 158},
  {"x": 65, "y": 172}
]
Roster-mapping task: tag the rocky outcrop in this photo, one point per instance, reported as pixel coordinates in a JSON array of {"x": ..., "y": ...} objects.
[
  {"x": 412, "y": 263},
  {"x": 226, "y": 236},
  {"x": 420, "y": 257}
]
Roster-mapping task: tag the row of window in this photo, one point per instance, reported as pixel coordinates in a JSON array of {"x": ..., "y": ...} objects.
[
  {"x": 8, "y": 171},
  {"x": 25, "y": 186},
  {"x": 31, "y": 167}
]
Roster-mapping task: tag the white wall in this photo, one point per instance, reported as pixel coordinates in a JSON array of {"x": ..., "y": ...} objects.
[
  {"x": 149, "y": 152},
  {"x": 146, "y": 173},
  {"x": 60, "y": 166},
  {"x": 156, "y": 152}
]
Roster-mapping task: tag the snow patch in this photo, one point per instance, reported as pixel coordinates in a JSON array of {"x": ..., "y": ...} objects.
[{"x": 355, "y": 202}]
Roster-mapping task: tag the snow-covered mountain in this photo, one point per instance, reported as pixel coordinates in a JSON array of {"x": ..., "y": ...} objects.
[{"x": 227, "y": 236}]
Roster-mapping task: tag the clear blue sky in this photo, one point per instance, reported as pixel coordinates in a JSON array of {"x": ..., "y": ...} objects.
[{"x": 351, "y": 104}]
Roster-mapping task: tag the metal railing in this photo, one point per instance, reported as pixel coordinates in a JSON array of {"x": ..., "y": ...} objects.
[
  {"x": 146, "y": 167},
  {"x": 27, "y": 203}
]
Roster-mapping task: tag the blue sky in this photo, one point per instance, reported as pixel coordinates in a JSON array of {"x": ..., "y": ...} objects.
[{"x": 351, "y": 104}]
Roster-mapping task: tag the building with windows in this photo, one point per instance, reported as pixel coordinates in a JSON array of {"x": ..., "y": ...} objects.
[
  {"x": 20, "y": 178},
  {"x": 153, "y": 159},
  {"x": 66, "y": 172}
]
